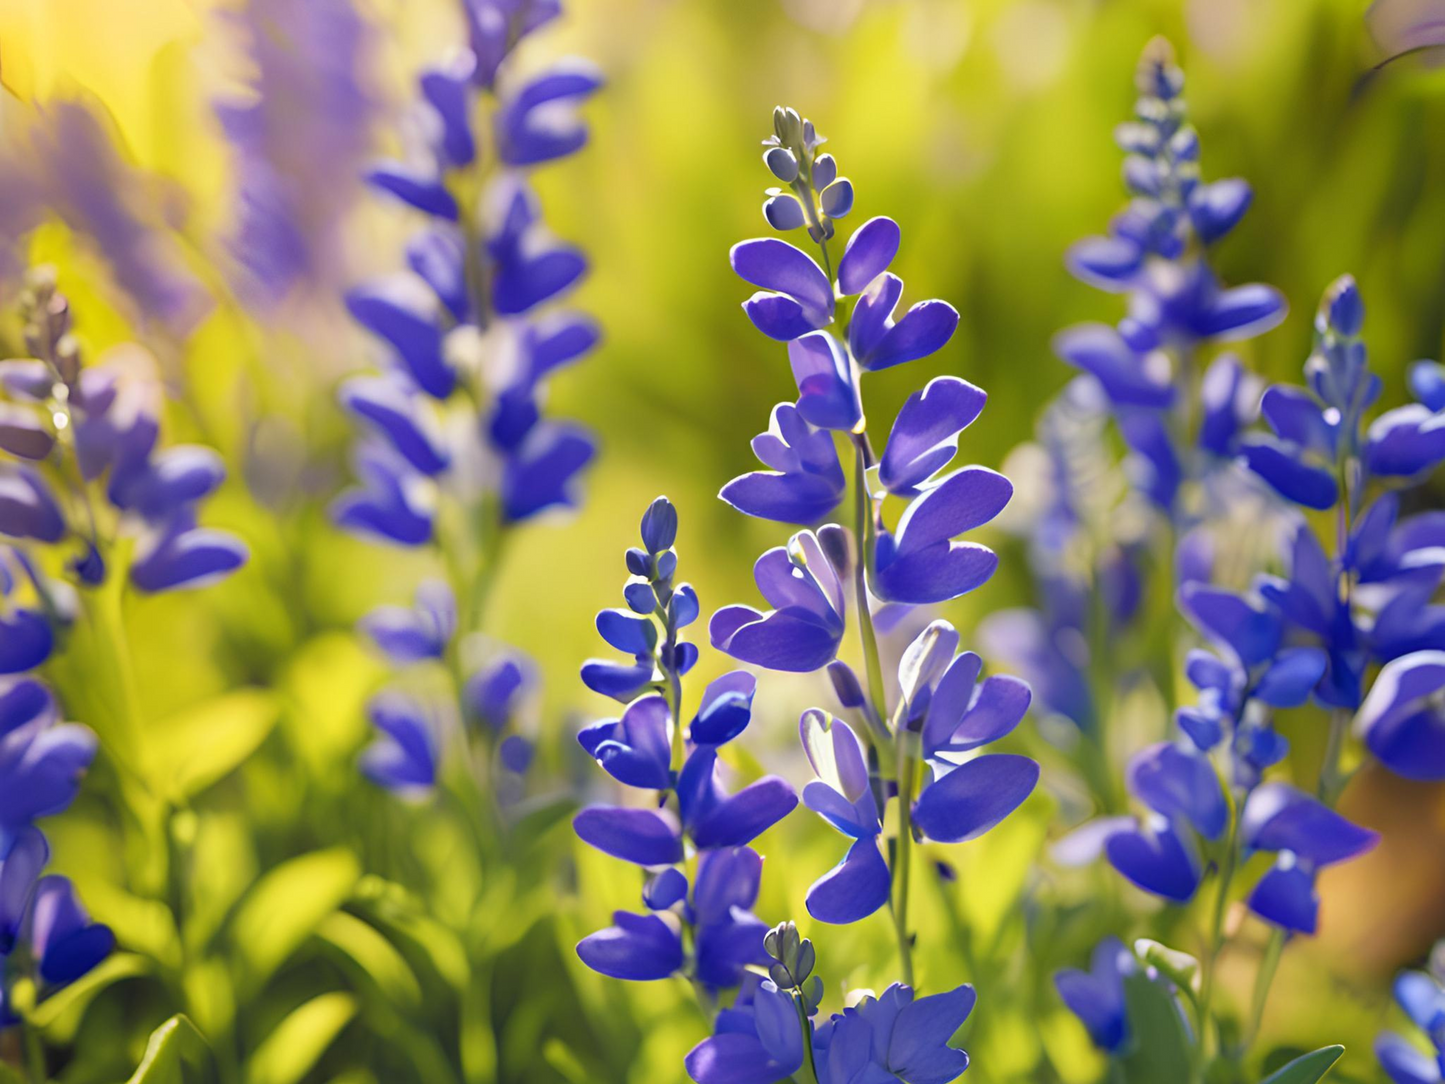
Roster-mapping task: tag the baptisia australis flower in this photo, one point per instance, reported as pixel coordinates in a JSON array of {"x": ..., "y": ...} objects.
[
  {"x": 81, "y": 466},
  {"x": 948, "y": 714},
  {"x": 1421, "y": 994},
  {"x": 46, "y": 939},
  {"x": 769, "y": 1034},
  {"x": 1371, "y": 600},
  {"x": 412, "y": 729},
  {"x": 699, "y": 925},
  {"x": 457, "y": 416}
]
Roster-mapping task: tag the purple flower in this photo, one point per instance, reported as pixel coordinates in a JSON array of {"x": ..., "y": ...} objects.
[
  {"x": 806, "y": 482},
  {"x": 1096, "y": 996},
  {"x": 407, "y": 634},
  {"x": 65, "y": 943},
  {"x": 297, "y": 140},
  {"x": 1401, "y": 719},
  {"x": 404, "y": 757},
  {"x": 757, "y": 1041},
  {"x": 537, "y": 123},
  {"x": 919, "y": 561},
  {"x": 803, "y": 630},
  {"x": 1305, "y": 835},
  {"x": 1422, "y": 997},
  {"x": 895, "y": 1038},
  {"x": 41, "y": 759},
  {"x": 25, "y": 855}
]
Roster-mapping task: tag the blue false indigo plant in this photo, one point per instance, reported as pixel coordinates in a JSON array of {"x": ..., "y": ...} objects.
[
  {"x": 455, "y": 451},
  {"x": 1421, "y": 994},
  {"x": 90, "y": 503},
  {"x": 1309, "y": 637},
  {"x": 692, "y": 836},
  {"x": 838, "y": 324}
]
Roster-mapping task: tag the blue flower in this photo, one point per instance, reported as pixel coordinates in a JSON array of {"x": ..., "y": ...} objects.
[
  {"x": 41, "y": 759},
  {"x": 65, "y": 943},
  {"x": 756, "y": 1041},
  {"x": 804, "y": 629},
  {"x": 408, "y": 634},
  {"x": 1096, "y": 996},
  {"x": 806, "y": 482},
  {"x": 895, "y": 1037},
  {"x": 404, "y": 757},
  {"x": 25, "y": 855},
  {"x": 1306, "y": 835},
  {"x": 918, "y": 561},
  {"x": 1422, "y": 996},
  {"x": 536, "y": 123},
  {"x": 1401, "y": 720},
  {"x": 953, "y": 714}
]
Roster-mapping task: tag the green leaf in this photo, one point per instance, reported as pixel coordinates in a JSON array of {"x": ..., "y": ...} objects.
[
  {"x": 187, "y": 752},
  {"x": 1161, "y": 1054},
  {"x": 59, "y": 1014},
  {"x": 375, "y": 956},
  {"x": 1307, "y": 1068},
  {"x": 287, "y": 905},
  {"x": 176, "y": 1054},
  {"x": 297, "y": 1043}
]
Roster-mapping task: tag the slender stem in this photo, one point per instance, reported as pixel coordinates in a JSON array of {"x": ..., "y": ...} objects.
[
  {"x": 903, "y": 867},
  {"x": 1331, "y": 781},
  {"x": 809, "y": 1064},
  {"x": 864, "y": 531},
  {"x": 1263, "y": 979},
  {"x": 35, "y": 1067},
  {"x": 1210, "y": 963}
]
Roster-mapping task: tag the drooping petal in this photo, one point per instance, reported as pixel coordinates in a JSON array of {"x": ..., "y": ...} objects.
[
  {"x": 642, "y": 836},
  {"x": 924, "y": 329},
  {"x": 1290, "y": 476},
  {"x": 1278, "y": 817},
  {"x": 775, "y": 265},
  {"x": 975, "y": 796},
  {"x": 1291, "y": 677},
  {"x": 639, "y": 948},
  {"x": 1252, "y": 634},
  {"x": 853, "y": 889},
  {"x": 1285, "y": 896},
  {"x": 869, "y": 252},
  {"x": 745, "y": 815},
  {"x": 1176, "y": 782},
  {"x": 1156, "y": 858},
  {"x": 826, "y": 396},
  {"x": 925, "y": 434}
]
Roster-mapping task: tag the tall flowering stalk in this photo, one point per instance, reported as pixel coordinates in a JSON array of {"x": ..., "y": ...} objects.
[
  {"x": 91, "y": 505},
  {"x": 1179, "y": 412},
  {"x": 455, "y": 452},
  {"x": 840, "y": 325},
  {"x": 1309, "y": 637}
]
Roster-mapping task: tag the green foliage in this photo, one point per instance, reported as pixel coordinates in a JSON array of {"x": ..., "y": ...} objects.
[
  {"x": 176, "y": 1054},
  {"x": 1307, "y": 1068}
]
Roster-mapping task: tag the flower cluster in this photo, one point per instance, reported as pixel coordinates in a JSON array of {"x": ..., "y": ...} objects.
[
  {"x": 456, "y": 450},
  {"x": 1422, "y": 995},
  {"x": 46, "y": 939},
  {"x": 455, "y": 418},
  {"x": 769, "y": 1034},
  {"x": 1370, "y": 601},
  {"x": 946, "y": 712},
  {"x": 692, "y": 835},
  {"x": 83, "y": 473},
  {"x": 1155, "y": 253},
  {"x": 917, "y": 751}
]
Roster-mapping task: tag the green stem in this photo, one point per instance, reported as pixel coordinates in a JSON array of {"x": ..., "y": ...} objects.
[
  {"x": 809, "y": 1065},
  {"x": 1332, "y": 782},
  {"x": 35, "y": 1068},
  {"x": 1263, "y": 979},
  {"x": 1210, "y": 964},
  {"x": 904, "y": 860},
  {"x": 864, "y": 531}
]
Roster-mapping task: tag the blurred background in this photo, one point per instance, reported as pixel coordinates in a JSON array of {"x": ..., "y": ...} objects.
[{"x": 985, "y": 128}]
